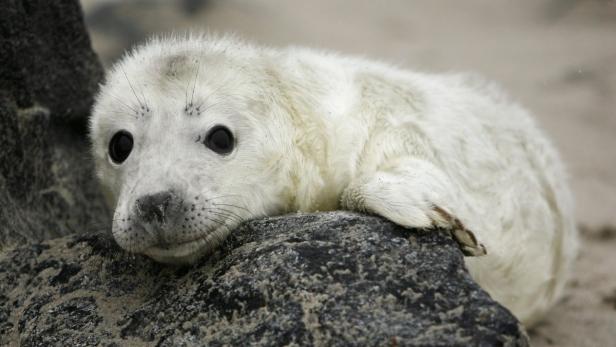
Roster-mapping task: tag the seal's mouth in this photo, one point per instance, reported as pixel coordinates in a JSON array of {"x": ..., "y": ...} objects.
[
  {"x": 187, "y": 252},
  {"x": 179, "y": 253}
]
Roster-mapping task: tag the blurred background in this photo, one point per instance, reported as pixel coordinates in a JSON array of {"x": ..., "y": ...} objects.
[{"x": 556, "y": 57}]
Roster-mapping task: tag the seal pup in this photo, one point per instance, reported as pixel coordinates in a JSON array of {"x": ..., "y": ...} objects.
[{"x": 193, "y": 135}]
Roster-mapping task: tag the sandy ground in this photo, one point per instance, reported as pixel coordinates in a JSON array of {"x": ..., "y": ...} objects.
[{"x": 556, "y": 57}]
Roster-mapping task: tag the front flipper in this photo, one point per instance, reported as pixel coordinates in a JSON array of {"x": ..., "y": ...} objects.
[
  {"x": 415, "y": 194},
  {"x": 466, "y": 239}
]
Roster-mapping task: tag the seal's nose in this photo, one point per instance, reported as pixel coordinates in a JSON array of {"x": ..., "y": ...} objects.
[{"x": 154, "y": 207}]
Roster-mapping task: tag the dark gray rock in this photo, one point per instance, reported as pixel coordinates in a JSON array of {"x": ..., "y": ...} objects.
[
  {"x": 46, "y": 57},
  {"x": 336, "y": 279},
  {"x": 48, "y": 76}
]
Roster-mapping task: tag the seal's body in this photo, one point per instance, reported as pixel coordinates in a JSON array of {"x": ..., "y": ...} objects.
[{"x": 194, "y": 135}]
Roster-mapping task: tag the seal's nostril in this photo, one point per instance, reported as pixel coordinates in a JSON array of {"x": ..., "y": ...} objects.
[{"x": 154, "y": 207}]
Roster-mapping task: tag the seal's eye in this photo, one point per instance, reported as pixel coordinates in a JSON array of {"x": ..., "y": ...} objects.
[
  {"x": 219, "y": 139},
  {"x": 120, "y": 146}
]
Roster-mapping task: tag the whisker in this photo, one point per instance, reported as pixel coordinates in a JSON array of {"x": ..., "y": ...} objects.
[
  {"x": 145, "y": 102},
  {"x": 122, "y": 103},
  {"x": 192, "y": 98},
  {"x": 232, "y": 217},
  {"x": 231, "y": 205},
  {"x": 219, "y": 214},
  {"x": 229, "y": 212},
  {"x": 131, "y": 87},
  {"x": 225, "y": 210},
  {"x": 215, "y": 221},
  {"x": 185, "y": 94},
  {"x": 223, "y": 196}
]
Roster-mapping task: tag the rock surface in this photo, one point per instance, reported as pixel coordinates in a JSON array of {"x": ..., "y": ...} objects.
[
  {"x": 48, "y": 75},
  {"x": 46, "y": 57},
  {"x": 330, "y": 279}
]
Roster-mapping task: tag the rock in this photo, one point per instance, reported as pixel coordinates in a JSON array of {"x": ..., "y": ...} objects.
[
  {"x": 48, "y": 76},
  {"x": 46, "y": 57},
  {"x": 336, "y": 279}
]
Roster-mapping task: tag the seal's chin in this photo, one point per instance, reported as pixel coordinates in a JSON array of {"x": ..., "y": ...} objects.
[{"x": 179, "y": 253}]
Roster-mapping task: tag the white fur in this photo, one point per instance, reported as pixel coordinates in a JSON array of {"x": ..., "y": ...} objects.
[{"x": 318, "y": 131}]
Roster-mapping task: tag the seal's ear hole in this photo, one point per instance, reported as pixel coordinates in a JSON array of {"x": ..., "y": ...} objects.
[
  {"x": 219, "y": 139},
  {"x": 120, "y": 146}
]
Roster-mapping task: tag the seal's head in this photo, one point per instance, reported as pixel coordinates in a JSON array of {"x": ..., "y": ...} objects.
[{"x": 182, "y": 139}]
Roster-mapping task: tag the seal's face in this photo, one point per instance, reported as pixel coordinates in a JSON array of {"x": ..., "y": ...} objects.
[{"x": 179, "y": 141}]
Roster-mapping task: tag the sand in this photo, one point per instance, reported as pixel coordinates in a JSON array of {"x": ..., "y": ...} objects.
[{"x": 556, "y": 57}]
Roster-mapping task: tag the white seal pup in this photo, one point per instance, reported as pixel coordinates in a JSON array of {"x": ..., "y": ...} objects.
[{"x": 194, "y": 135}]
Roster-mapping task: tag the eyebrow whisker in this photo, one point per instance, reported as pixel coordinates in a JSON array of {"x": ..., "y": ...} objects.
[
  {"x": 119, "y": 100},
  {"x": 192, "y": 98},
  {"x": 132, "y": 89}
]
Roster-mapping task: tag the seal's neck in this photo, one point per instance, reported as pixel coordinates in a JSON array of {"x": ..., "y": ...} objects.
[{"x": 315, "y": 175}]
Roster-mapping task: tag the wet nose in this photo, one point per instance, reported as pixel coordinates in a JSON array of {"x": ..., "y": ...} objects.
[{"x": 155, "y": 207}]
